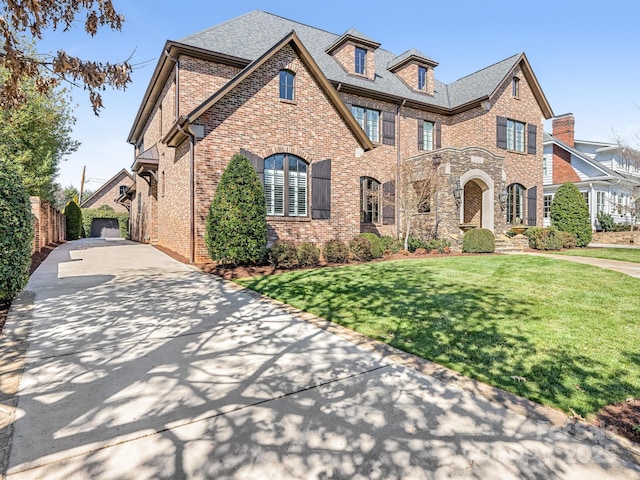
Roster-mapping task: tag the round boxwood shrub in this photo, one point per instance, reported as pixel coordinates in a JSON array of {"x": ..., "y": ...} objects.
[
  {"x": 569, "y": 213},
  {"x": 283, "y": 254},
  {"x": 16, "y": 232},
  {"x": 308, "y": 255},
  {"x": 568, "y": 240},
  {"x": 377, "y": 246},
  {"x": 545, "y": 238},
  {"x": 236, "y": 228},
  {"x": 478, "y": 240},
  {"x": 360, "y": 249},
  {"x": 73, "y": 216},
  {"x": 336, "y": 251}
]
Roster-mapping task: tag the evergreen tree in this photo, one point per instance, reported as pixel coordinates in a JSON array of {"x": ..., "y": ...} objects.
[
  {"x": 236, "y": 229},
  {"x": 570, "y": 213},
  {"x": 73, "y": 215}
]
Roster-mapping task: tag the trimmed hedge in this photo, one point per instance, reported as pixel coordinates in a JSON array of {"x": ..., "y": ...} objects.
[
  {"x": 89, "y": 214},
  {"x": 308, "y": 255},
  {"x": 390, "y": 244},
  {"x": 546, "y": 238},
  {"x": 236, "y": 228},
  {"x": 73, "y": 215},
  {"x": 478, "y": 240},
  {"x": 377, "y": 245},
  {"x": 360, "y": 249},
  {"x": 283, "y": 254},
  {"x": 336, "y": 251},
  {"x": 16, "y": 232},
  {"x": 569, "y": 213}
]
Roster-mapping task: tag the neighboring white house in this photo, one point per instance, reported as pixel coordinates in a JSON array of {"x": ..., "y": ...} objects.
[{"x": 607, "y": 176}]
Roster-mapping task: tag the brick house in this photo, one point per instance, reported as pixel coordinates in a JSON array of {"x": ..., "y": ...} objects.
[
  {"x": 110, "y": 193},
  {"x": 327, "y": 120},
  {"x": 607, "y": 174}
]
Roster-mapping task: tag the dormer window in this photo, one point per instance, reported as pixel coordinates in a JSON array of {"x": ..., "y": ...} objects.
[
  {"x": 422, "y": 79},
  {"x": 515, "y": 87},
  {"x": 361, "y": 61},
  {"x": 287, "y": 85}
]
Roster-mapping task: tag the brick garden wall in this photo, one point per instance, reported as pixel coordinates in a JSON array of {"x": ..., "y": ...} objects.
[{"x": 49, "y": 224}]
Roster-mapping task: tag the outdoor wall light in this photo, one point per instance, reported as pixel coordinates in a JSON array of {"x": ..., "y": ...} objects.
[
  {"x": 457, "y": 192},
  {"x": 437, "y": 160},
  {"x": 502, "y": 198}
]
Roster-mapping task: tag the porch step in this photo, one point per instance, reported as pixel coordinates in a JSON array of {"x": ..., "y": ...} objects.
[{"x": 504, "y": 245}]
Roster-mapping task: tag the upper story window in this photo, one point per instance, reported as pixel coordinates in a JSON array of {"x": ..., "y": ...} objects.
[
  {"x": 285, "y": 185},
  {"x": 369, "y": 200},
  {"x": 287, "y": 85},
  {"x": 361, "y": 61},
  {"x": 422, "y": 78},
  {"x": 369, "y": 120},
  {"x": 123, "y": 188},
  {"x": 515, "y": 87},
  {"x": 515, "y": 135},
  {"x": 427, "y": 135}
]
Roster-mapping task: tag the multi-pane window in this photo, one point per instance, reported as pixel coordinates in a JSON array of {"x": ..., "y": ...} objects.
[
  {"x": 422, "y": 78},
  {"x": 122, "y": 189},
  {"x": 547, "y": 205},
  {"x": 585, "y": 195},
  {"x": 515, "y": 203},
  {"x": 369, "y": 200},
  {"x": 600, "y": 201},
  {"x": 545, "y": 166},
  {"x": 361, "y": 61},
  {"x": 285, "y": 185},
  {"x": 515, "y": 135},
  {"x": 515, "y": 87},
  {"x": 369, "y": 120},
  {"x": 427, "y": 135},
  {"x": 287, "y": 84}
]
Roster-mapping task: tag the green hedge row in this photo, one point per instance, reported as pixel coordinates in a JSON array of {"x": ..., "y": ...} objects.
[{"x": 89, "y": 214}]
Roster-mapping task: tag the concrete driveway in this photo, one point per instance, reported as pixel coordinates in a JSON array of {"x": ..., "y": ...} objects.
[{"x": 140, "y": 367}]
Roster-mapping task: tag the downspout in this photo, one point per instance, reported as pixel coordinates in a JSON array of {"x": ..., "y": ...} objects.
[
  {"x": 192, "y": 208},
  {"x": 398, "y": 166}
]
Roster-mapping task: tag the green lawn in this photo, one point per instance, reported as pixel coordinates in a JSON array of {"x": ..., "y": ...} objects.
[
  {"x": 624, "y": 254},
  {"x": 572, "y": 330}
]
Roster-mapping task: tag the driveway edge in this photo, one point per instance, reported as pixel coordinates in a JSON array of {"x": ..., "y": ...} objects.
[
  {"x": 557, "y": 420},
  {"x": 13, "y": 349}
]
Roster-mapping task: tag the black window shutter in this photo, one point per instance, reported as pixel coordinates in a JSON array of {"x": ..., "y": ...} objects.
[
  {"x": 438, "y": 135},
  {"x": 388, "y": 128},
  {"x": 532, "y": 133},
  {"x": 321, "y": 190},
  {"x": 256, "y": 161},
  {"x": 388, "y": 203},
  {"x": 532, "y": 206},
  {"x": 501, "y": 132},
  {"x": 420, "y": 134}
]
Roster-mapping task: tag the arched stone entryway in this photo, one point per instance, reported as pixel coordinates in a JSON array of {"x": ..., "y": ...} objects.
[{"x": 478, "y": 204}]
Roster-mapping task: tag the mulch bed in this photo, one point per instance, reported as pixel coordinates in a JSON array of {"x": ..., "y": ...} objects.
[
  {"x": 624, "y": 417},
  {"x": 36, "y": 259}
]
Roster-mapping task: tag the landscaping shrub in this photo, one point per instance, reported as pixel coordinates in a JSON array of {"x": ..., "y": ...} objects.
[
  {"x": 569, "y": 213},
  {"x": 236, "y": 228},
  {"x": 16, "y": 232},
  {"x": 308, "y": 255},
  {"x": 568, "y": 240},
  {"x": 390, "y": 244},
  {"x": 439, "y": 245},
  {"x": 478, "y": 240},
  {"x": 606, "y": 222},
  {"x": 545, "y": 238},
  {"x": 73, "y": 215},
  {"x": 336, "y": 251},
  {"x": 360, "y": 249},
  {"x": 416, "y": 243},
  {"x": 283, "y": 254},
  {"x": 377, "y": 245}
]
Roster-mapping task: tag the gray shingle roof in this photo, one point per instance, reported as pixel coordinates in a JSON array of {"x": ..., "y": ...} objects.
[
  {"x": 412, "y": 52},
  {"x": 252, "y": 34}
]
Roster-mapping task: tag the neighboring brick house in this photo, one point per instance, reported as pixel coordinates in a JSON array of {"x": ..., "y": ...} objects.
[
  {"x": 607, "y": 174},
  {"x": 326, "y": 120},
  {"x": 109, "y": 193}
]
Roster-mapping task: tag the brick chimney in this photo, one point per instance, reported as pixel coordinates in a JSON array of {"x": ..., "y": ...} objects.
[{"x": 563, "y": 129}]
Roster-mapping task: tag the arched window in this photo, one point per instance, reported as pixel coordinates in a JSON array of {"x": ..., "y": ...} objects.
[
  {"x": 287, "y": 85},
  {"x": 369, "y": 200},
  {"x": 515, "y": 204},
  {"x": 285, "y": 185}
]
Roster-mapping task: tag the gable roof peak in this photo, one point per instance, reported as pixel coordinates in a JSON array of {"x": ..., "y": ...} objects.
[
  {"x": 410, "y": 55},
  {"x": 356, "y": 37}
]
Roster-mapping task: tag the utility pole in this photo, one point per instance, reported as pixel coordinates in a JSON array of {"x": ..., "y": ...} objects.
[{"x": 82, "y": 185}]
